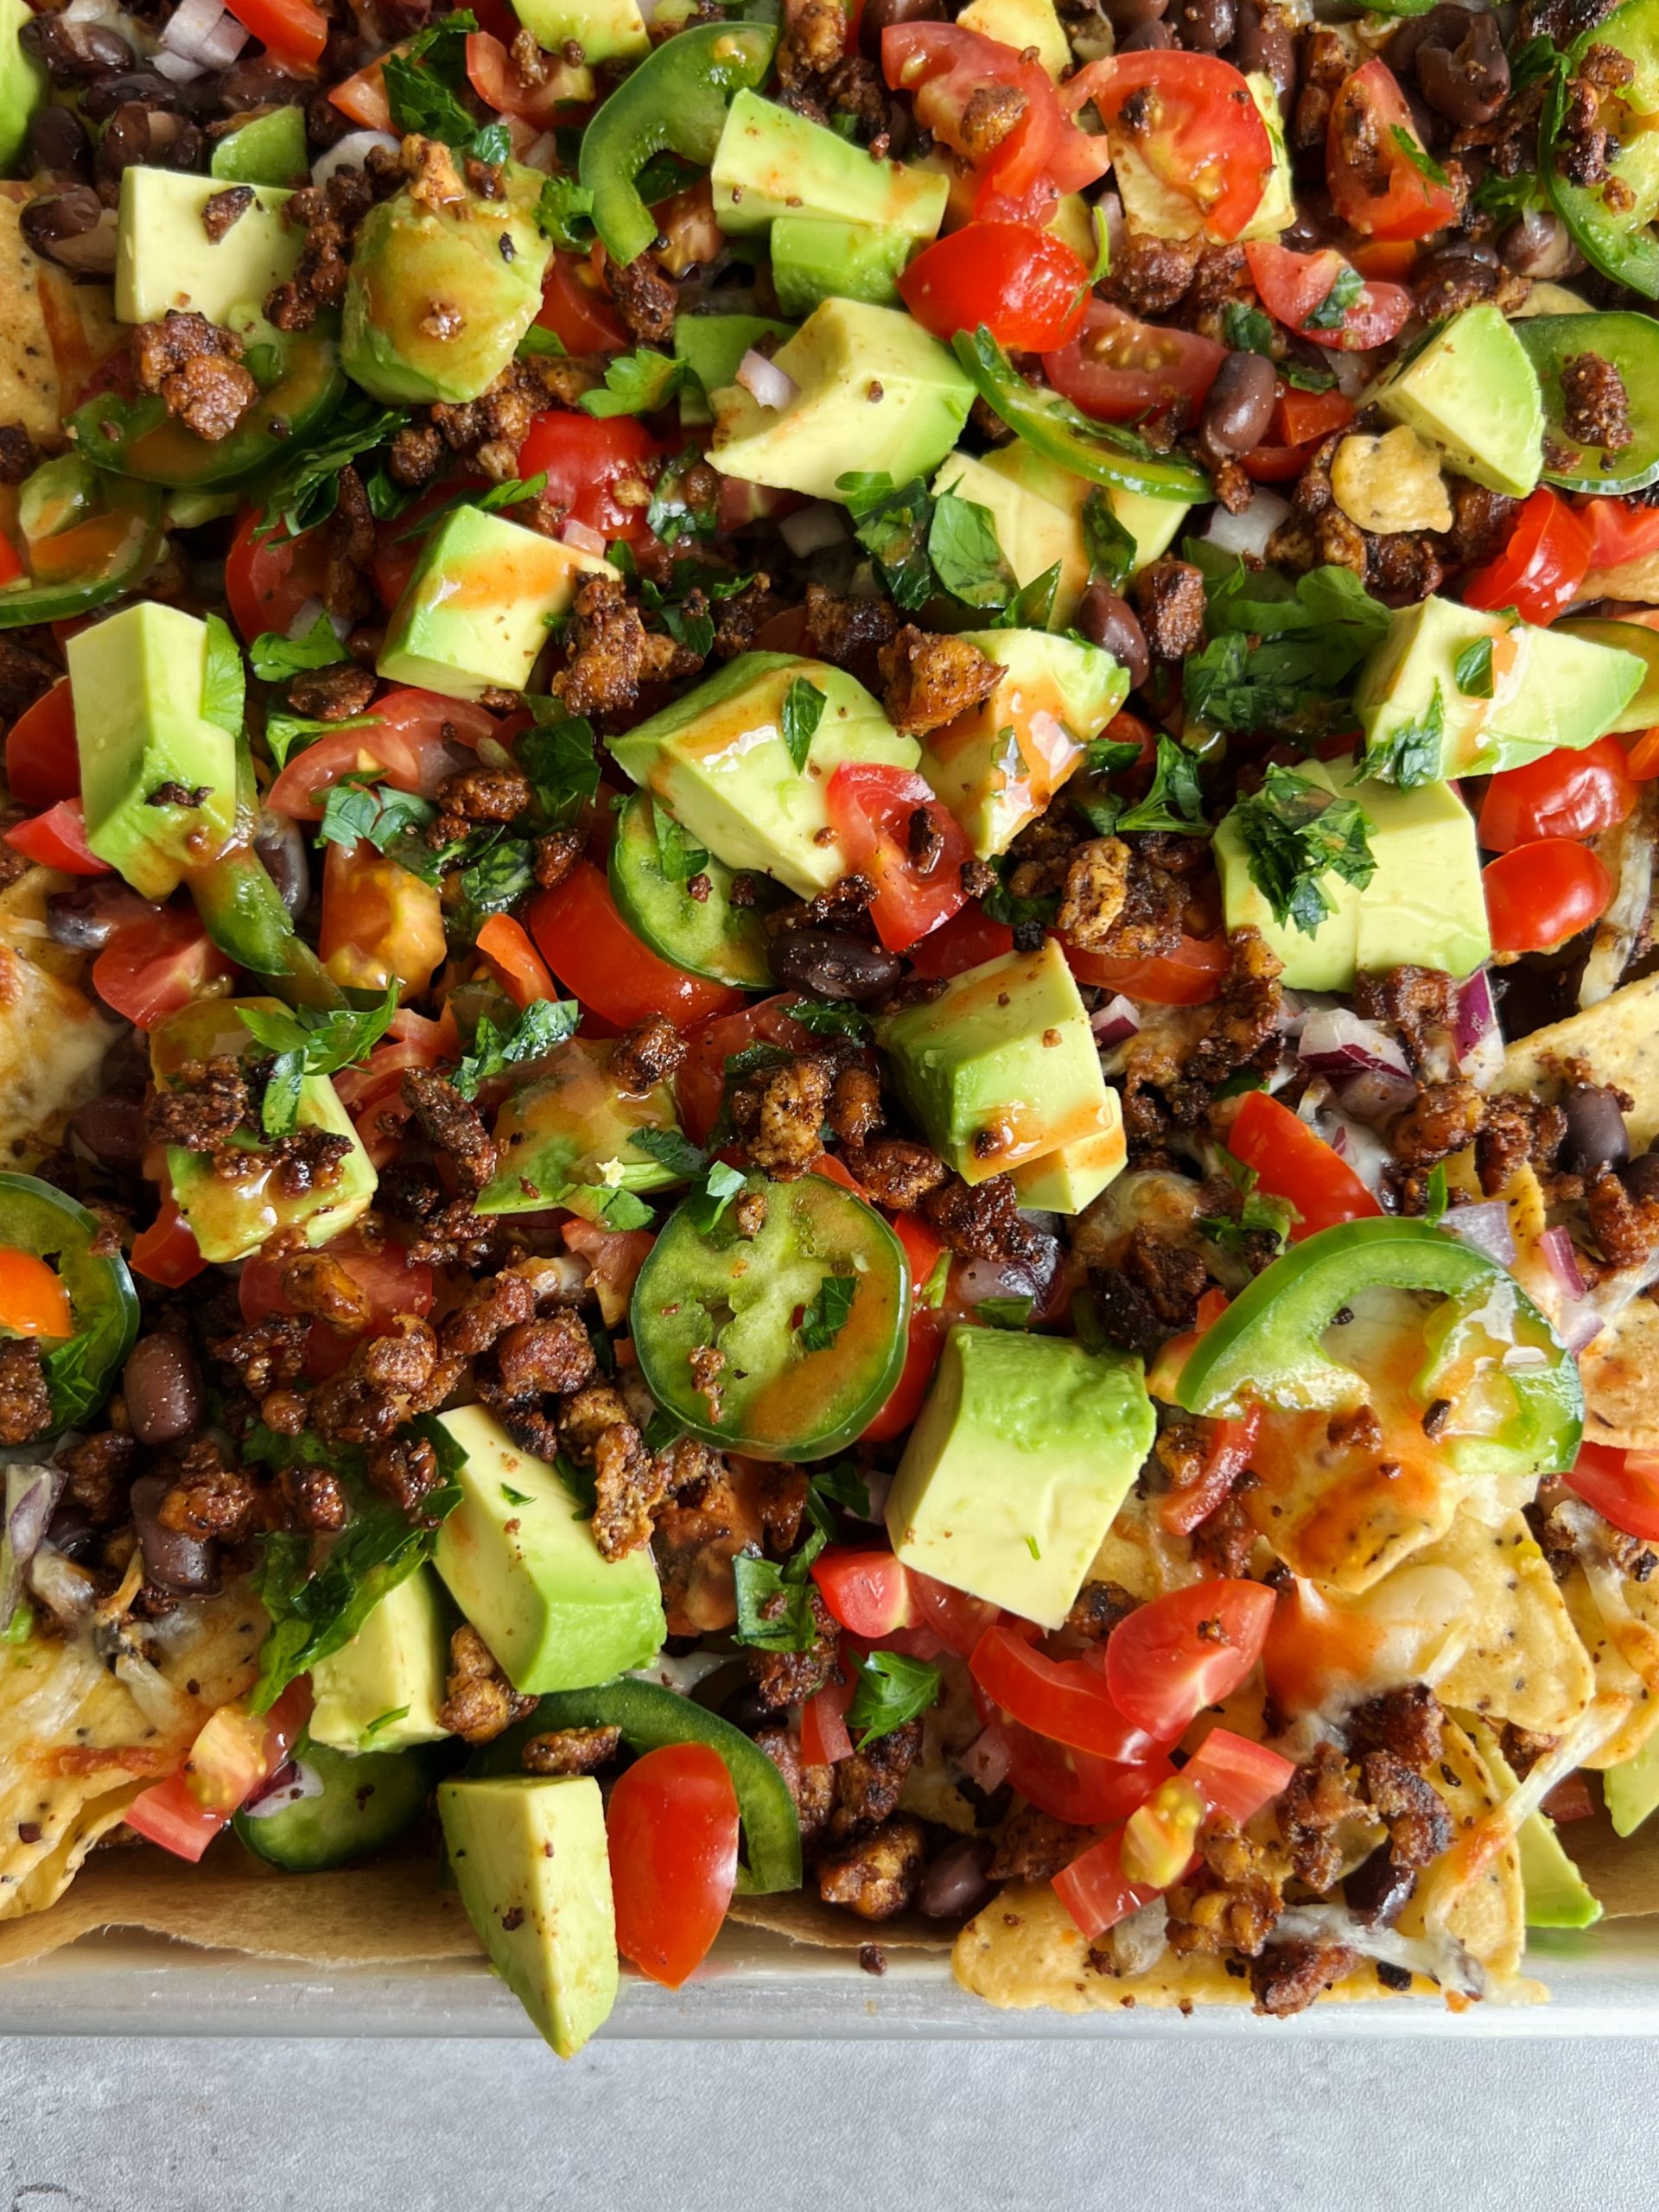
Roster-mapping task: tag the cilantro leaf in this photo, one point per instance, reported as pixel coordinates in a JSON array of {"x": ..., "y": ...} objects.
[
  {"x": 1173, "y": 801},
  {"x": 611, "y": 1204},
  {"x": 804, "y": 706},
  {"x": 1006, "y": 1313},
  {"x": 224, "y": 682},
  {"x": 892, "y": 523},
  {"x": 565, "y": 213},
  {"x": 677, "y": 857},
  {"x": 1332, "y": 309},
  {"x": 966, "y": 557},
  {"x": 1412, "y": 753},
  {"x": 305, "y": 488},
  {"x": 1246, "y": 330},
  {"x": 541, "y": 1026},
  {"x": 309, "y": 1041},
  {"x": 674, "y": 513},
  {"x": 1109, "y": 546},
  {"x": 721, "y": 1185},
  {"x": 511, "y": 493},
  {"x": 1426, "y": 165},
  {"x": 1294, "y": 833},
  {"x": 1280, "y": 654},
  {"x": 829, "y": 1313},
  {"x": 671, "y": 1149},
  {"x": 558, "y": 756},
  {"x": 1031, "y": 607},
  {"x": 423, "y": 84},
  {"x": 276, "y": 657},
  {"x": 636, "y": 384},
  {"x": 356, "y": 808},
  {"x": 773, "y": 1614},
  {"x": 892, "y": 1688},
  {"x": 832, "y": 1018},
  {"x": 1258, "y": 1215},
  {"x": 1473, "y": 671}
]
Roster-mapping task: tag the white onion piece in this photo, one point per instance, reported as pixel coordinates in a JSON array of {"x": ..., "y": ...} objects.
[
  {"x": 350, "y": 153},
  {"x": 1118, "y": 1018},
  {"x": 813, "y": 529},
  {"x": 306, "y": 620},
  {"x": 66, "y": 1590},
  {"x": 290, "y": 1785},
  {"x": 1335, "y": 1042},
  {"x": 1483, "y": 1228},
  {"x": 1373, "y": 1097},
  {"x": 1138, "y": 1942},
  {"x": 1562, "y": 1261},
  {"x": 765, "y": 382},
  {"x": 1350, "y": 370},
  {"x": 541, "y": 154},
  {"x": 177, "y": 67},
  {"x": 205, "y": 32},
  {"x": 582, "y": 536},
  {"x": 1248, "y": 532},
  {"x": 680, "y": 1675}
]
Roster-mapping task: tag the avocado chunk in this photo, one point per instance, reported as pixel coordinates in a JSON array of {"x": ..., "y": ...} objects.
[
  {"x": 1035, "y": 534},
  {"x": 138, "y": 680},
  {"x": 381, "y": 1692},
  {"x": 437, "y": 302},
  {"x": 1547, "y": 689},
  {"x": 1023, "y": 1452},
  {"x": 1152, "y": 524},
  {"x": 874, "y": 392},
  {"x": 1472, "y": 394},
  {"x": 1557, "y": 1895},
  {"x": 1630, "y": 1790},
  {"x": 23, "y": 83},
  {"x": 1152, "y": 210},
  {"x": 771, "y": 162},
  {"x": 569, "y": 1131},
  {"x": 1020, "y": 23},
  {"x": 164, "y": 258},
  {"x": 716, "y": 759},
  {"x": 1001, "y": 1068},
  {"x": 997, "y": 767},
  {"x": 269, "y": 150},
  {"x": 1424, "y": 907},
  {"x": 605, "y": 31},
  {"x": 474, "y": 614},
  {"x": 816, "y": 258},
  {"x": 1073, "y": 1176},
  {"x": 530, "y": 1857},
  {"x": 231, "y": 1219},
  {"x": 519, "y": 1558},
  {"x": 712, "y": 347}
]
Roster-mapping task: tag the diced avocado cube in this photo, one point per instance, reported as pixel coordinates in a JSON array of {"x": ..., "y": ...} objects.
[
  {"x": 771, "y": 162},
  {"x": 1424, "y": 907},
  {"x": 23, "y": 83},
  {"x": 717, "y": 760},
  {"x": 1472, "y": 394},
  {"x": 518, "y": 1557},
  {"x": 270, "y": 149},
  {"x": 1547, "y": 689},
  {"x": 1023, "y": 1452},
  {"x": 874, "y": 392},
  {"x": 1152, "y": 524},
  {"x": 1152, "y": 209},
  {"x": 1557, "y": 1895},
  {"x": 1033, "y": 532},
  {"x": 439, "y": 297},
  {"x": 137, "y": 679},
  {"x": 474, "y": 614},
  {"x": 1001, "y": 1068},
  {"x": 530, "y": 1861},
  {"x": 571, "y": 1125},
  {"x": 1020, "y": 23},
  {"x": 816, "y": 258},
  {"x": 381, "y": 1692},
  {"x": 712, "y": 347},
  {"x": 1630, "y": 1790},
  {"x": 1068, "y": 1180},
  {"x": 605, "y": 31},
  {"x": 997, "y": 765},
  {"x": 164, "y": 258},
  {"x": 231, "y": 1219}
]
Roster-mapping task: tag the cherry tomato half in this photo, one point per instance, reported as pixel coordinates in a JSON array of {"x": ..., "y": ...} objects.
[
  {"x": 57, "y": 839},
  {"x": 1194, "y": 125},
  {"x": 597, "y": 957},
  {"x": 41, "y": 763},
  {"x": 149, "y": 969},
  {"x": 1292, "y": 1161},
  {"x": 871, "y": 808},
  {"x": 586, "y": 461},
  {"x": 1026, "y": 286},
  {"x": 1068, "y": 1700},
  {"x": 1537, "y": 896},
  {"x": 1298, "y": 287},
  {"x": 1119, "y": 370},
  {"x": 1191, "y": 975},
  {"x": 1541, "y": 568},
  {"x": 1567, "y": 793},
  {"x": 1623, "y": 1486},
  {"x": 1382, "y": 180},
  {"x": 269, "y": 578},
  {"x": 1168, "y": 1660},
  {"x": 672, "y": 1824}
]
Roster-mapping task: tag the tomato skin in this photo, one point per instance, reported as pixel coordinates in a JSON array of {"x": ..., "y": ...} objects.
[
  {"x": 268, "y": 578},
  {"x": 1541, "y": 568},
  {"x": 1070, "y": 1784},
  {"x": 870, "y": 808},
  {"x": 969, "y": 939},
  {"x": 1026, "y": 286},
  {"x": 57, "y": 839},
  {"x": 1618, "y": 531},
  {"x": 1164, "y": 1663},
  {"x": 1191, "y": 975},
  {"x": 1197, "y": 129},
  {"x": 922, "y": 1252},
  {"x": 598, "y": 958},
  {"x": 414, "y": 740},
  {"x": 149, "y": 969},
  {"x": 506, "y": 945},
  {"x": 1292, "y": 1162},
  {"x": 1295, "y": 285},
  {"x": 1537, "y": 896},
  {"x": 32, "y": 1300},
  {"x": 1065, "y": 1700},
  {"x": 41, "y": 763},
  {"x": 1227, "y": 1454},
  {"x": 867, "y": 1592},
  {"x": 584, "y": 460},
  {"x": 166, "y": 1251},
  {"x": 824, "y": 1738},
  {"x": 1622, "y": 1486},
  {"x": 172, "y": 1815},
  {"x": 1305, "y": 417},
  {"x": 701, "y": 1081},
  {"x": 578, "y": 313},
  {"x": 1046, "y": 155},
  {"x": 1565, "y": 794},
  {"x": 1368, "y": 110},
  {"x": 1118, "y": 370},
  {"x": 379, "y": 922},
  {"x": 1095, "y": 1890},
  {"x": 671, "y": 1825},
  {"x": 296, "y": 30},
  {"x": 1236, "y": 1777},
  {"x": 491, "y": 78},
  {"x": 957, "y": 1619}
]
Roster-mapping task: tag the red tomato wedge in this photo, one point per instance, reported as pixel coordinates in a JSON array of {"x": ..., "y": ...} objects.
[
  {"x": 1119, "y": 370},
  {"x": 1026, "y": 286},
  {"x": 166, "y": 1251},
  {"x": 1227, "y": 1454},
  {"x": 41, "y": 763},
  {"x": 1236, "y": 1777},
  {"x": 1623, "y": 1486},
  {"x": 1618, "y": 531},
  {"x": 270, "y": 578},
  {"x": 32, "y": 1300},
  {"x": 1191, "y": 975},
  {"x": 1168, "y": 1660},
  {"x": 1539, "y": 895},
  {"x": 1539, "y": 570},
  {"x": 867, "y": 1592},
  {"x": 295, "y": 30},
  {"x": 1296, "y": 287},
  {"x": 1192, "y": 121},
  {"x": 233, "y": 1753},
  {"x": 957, "y": 1619},
  {"x": 1070, "y": 1784},
  {"x": 701, "y": 1081},
  {"x": 870, "y": 809},
  {"x": 1067, "y": 1700},
  {"x": 1095, "y": 1890},
  {"x": 1381, "y": 178},
  {"x": 922, "y": 1251},
  {"x": 506, "y": 945},
  {"x": 672, "y": 1824},
  {"x": 599, "y": 470},
  {"x": 969, "y": 939},
  {"x": 825, "y": 1739},
  {"x": 57, "y": 839},
  {"x": 576, "y": 309},
  {"x": 490, "y": 73},
  {"x": 1567, "y": 793},
  {"x": 598, "y": 958},
  {"x": 1294, "y": 1162},
  {"x": 149, "y": 969}
]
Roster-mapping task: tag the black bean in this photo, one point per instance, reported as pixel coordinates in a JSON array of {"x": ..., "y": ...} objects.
[
  {"x": 58, "y": 141},
  {"x": 1641, "y": 1177},
  {"x": 282, "y": 848},
  {"x": 73, "y": 53},
  {"x": 1538, "y": 244},
  {"x": 259, "y": 80},
  {"x": 78, "y": 921},
  {"x": 1240, "y": 405},
  {"x": 1110, "y": 622},
  {"x": 139, "y": 136},
  {"x": 879, "y": 15},
  {"x": 124, "y": 1069},
  {"x": 1203, "y": 26},
  {"x": 1595, "y": 1134},
  {"x": 100, "y": 99},
  {"x": 324, "y": 123},
  {"x": 180, "y": 1563},
  {"x": 162, "y": 1388},
  {"x": 1150, "y": 38},
  {"x": 832, "y": 965},
  {"x": 1462, "y": 67},
  {"x": 112, "y": 1130},
  {"x": 72, "y": 228},
  {"x": 956, "y": 1882},
  {"x": 744, "y": 1710},
  {"x": 1375, "y": 1892},
  {"x": 1126, "y": 16},
  {"x": 1266, "y": 40}
]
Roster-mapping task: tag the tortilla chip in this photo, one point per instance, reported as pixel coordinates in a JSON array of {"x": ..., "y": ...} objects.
[
  {"x": 1139, "y": 1555},
  {"x": 52, "y": 1041},
  {"x": 56, "y": 332},
  {"x": 1620, "y": 1372},
  {"x": 1638, "y": 580},
  {"x": 1621, "y": 1634},
  {"x": 1524, "y": 1661},
  {"x": 1618, "y": 1037}
]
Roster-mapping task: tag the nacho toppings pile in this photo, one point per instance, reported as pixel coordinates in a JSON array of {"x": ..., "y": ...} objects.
[{"x": 825, "y": 1021}]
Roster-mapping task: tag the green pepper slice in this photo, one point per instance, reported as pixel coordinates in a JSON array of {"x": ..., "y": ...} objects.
[
  {"x": 1622, "y": 245},
  {"x": 649, "y": 1717},
  {"x": 1486, "y": 1333},
  {"x": 1104, "y": 452},
  {"x": 674, "y": 102},
  {"x": 242, "y": 910},
  {"x": 87, "y": 537},
  {"x": 1631, "y": 342},
  {"x": 37, "y": 1219},
  {"x": 1642, "y": 711}
]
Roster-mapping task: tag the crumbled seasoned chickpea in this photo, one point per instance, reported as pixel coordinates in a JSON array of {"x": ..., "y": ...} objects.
[{"x": 1390, "y": 484}]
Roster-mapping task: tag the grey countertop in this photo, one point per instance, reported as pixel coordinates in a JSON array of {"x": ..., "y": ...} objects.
[{"x": 171, "y": 2125}]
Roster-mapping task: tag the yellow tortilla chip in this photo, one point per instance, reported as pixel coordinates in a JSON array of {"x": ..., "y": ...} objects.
[
  {"x": 56, "y": 332},
  {"x": 1617, "y": 1623},
  {"x": 1524, "y": 1661},
  {"x": 1619, "y": 1038},
  {"x": 1620, "y": 1372},
  {"x": 52, "y": 1041},
  {"x": 1638, "y": 580},
  {"x": 1139, "y": 1554}
]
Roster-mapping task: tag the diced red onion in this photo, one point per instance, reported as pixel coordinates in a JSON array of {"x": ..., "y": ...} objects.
[
  {"x": 67, "y": 1592},
  {"x": 1372, "y": 1096},
  {"x": 1562, "y": 1261},
  {"x": 985, "y": 1762},
  {"x": 203, "y": 32},
  {"x": 350, "y": 152},
  {"x": 585, "y": 540},
  {"x": 813, "y": 529},
  {"x": 1335, "y": 1042},
  {"x": 31, "y": 1496},
  {"x": 764, "y": 381},
  {"x": 1485, "y": 1229},
  {"x": 1293, "y": 1010},
  {"x": 1249, "y": 530},
  {"x": 1118, "y": 1018},
  {"x": 1476, "y": 1037},
  {"x": 289, "y": 1784}
]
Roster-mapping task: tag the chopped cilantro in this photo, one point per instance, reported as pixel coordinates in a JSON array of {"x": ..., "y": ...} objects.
[
  {"x": 966, "y": 557},
  {"x": 1344, "y": 294},
  {"x": 276, "y": 657},
  {"x": 1473, "y": 671},
  {"x": 1413, "y": 753},
  {"x": 307, "y": 1041},
  {"x": 541, "y": 1026},
  {"x": 636, "y": 384},
  {"x": 892, "y": 1688},
  {"x": 804, "y": 706},
  {"x": 829, "y": 1313},
  {"x": 1294, "y": 833}
]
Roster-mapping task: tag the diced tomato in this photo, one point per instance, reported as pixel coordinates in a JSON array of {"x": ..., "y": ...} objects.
[
  {"x": 380, "y": 922},
  {"x": 167, "y": 1252},
  {"x": 1294, "y": 1162},
  {"x": 1537, "y": 896},
  {"x": 1072, "y": 1785},
  {"x": 1025, "y": 286},
  {"x": 577, "y": 311},
  {"x": 1195, "y": 126},
  {"x": 1570, "y": 1800},
  {"x": 700, "y": 1082},
  {"x": 1390, "y": 257},
  {"x": 1164, "y": 1378},
  {"x": 825, "y": 1740},
  {"x": 870, "y": 809},
  {"x": 1295, "y": 287},
  {"x": 166, "y": 1814},
  {"x": 1623, "y": 1486},
  {"x": 1045, "y": 155},
  {"x": 922, "y": 1251},
  {"x": 390, "y": 1281},
  {"x": 1068, "y": 1700},
  {"x": 270, "y": 579},
  {"x": 32, "y": 1300},
  {"x": 957, "y": 1619},
  {"x": 294, "y": 30},
  {"x": 1191, "y": 975},
  {"x": 1618, "y": 531},
  {"x": 1541, "y": 570},
  {"x": 41, "y": 763},
  {"x": 378, "y": 751},
  {"x": 615, "y": 1256},
  {"x": 1120, "y": 370},
  {"x": 671, "y": 1823},
  {"x": 1381, "y": 178},
  {"x": 969, "y": 939},
  {"x": 1236, "y": 1777},
  {"x": 57, "y": 839},
  {"x": 598, "y": 958},
  {"x": 594, "y": 468},
  {"x": 1302, "y": 418},
  {"x": 506, "y": 945},
  {"x": 867, "y": 1591},
  {"x": 227, "y": 1761},
  {"x": 492, "y": 77},
  {"x": 1642, "y": 764},
  {"x": 1168, "y": 1660},
  {"x": 1095, "y": 1890},
  {"x": 233, "y": 1753},
  {"x": 149, "y": 969},
  {"x": 1227, "y": 1454},
  {"x": 1567, "y": 793},
  {"x": 12, "y": 562}
]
